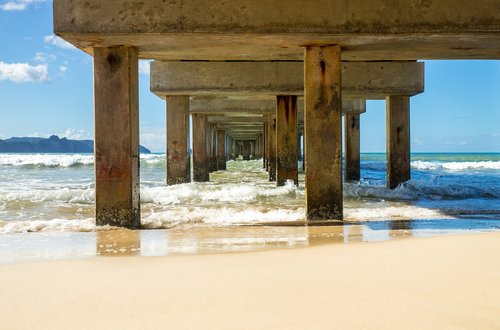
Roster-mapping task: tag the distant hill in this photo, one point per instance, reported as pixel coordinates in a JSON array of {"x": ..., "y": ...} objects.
[{"x": 51, "y": 145}]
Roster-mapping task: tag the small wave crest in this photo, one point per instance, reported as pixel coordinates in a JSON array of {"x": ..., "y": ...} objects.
[
  {"x": 66, "y": 160},
  {"x": 455, "y": 166}
]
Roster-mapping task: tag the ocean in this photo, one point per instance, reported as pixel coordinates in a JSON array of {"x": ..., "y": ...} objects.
[{"x": 47, "y": 207}]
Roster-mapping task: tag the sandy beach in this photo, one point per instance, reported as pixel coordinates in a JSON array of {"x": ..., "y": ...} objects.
[{"x": 420, "y": 283}]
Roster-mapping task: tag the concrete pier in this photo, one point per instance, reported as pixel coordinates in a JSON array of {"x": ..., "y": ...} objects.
[
  {"x": 178, "y": 170},
  {"x": 286, "y": 140},
  {"x": 256, "y": 51},
  {"x": 398, "y": 140},
  {"x": 323, "y": 133},
  {"x": 221, "y": 150},
  {"x": 116, "y": 152},
  {"x": 352, "y": 147},
  {"x": 271, "y": 129},
  {"x": 200, "y": 152}
]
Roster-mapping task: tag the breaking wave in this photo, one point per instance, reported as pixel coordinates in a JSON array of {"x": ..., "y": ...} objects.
[{"x": 455, "y": 166}]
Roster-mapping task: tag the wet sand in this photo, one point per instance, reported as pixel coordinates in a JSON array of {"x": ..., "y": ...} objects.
[{"x": 439, "y": 282}]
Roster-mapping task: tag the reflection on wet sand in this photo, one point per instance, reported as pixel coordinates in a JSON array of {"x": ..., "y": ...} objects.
[
  {"x": 210, "y": 239},
  {"x": 118, "y": 243}
]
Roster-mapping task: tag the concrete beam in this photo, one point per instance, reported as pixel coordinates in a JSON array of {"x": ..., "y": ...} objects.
[
  {"x": 235, "y": 120},
  {"x": 220, "y": 107},
  {"x": 360, "y": 80},
  {"x": 277, "y": 30}
]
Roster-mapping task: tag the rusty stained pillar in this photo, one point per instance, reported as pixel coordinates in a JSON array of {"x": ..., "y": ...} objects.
[
  {"x": 352, "y": 147},
  {"x": 272, "y": 147},
  {"x": 116, "y": 111},
  {"x": 200, "y": 155},
  {"x": 221, "y": 150},
  {"x": 398, "y": 140},
  {"x": 286, "y": 140},
  {"x": 178, "y": 170},
  {"x": 323, "y": 133}
]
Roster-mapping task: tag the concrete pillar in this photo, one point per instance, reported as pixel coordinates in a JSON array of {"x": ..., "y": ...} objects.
[
  {"x": 221, "y": 150},
  {"x": 299, "y": 155},
  {"x": 213, "y": 149},
  {"x": 352, "y": 148},
  {"x": 178, "y": 170},
  {"x": 246, "y": 150},
  {"x": 272, "y": 147},
  {"x": 286, "y": 140},
  {"x": 323, "y": 132},
  {"x": 398, "y": 140},
  {"x": 200, "y": 155},
  {"x": 266, "y": 145},
  {"x": 116, "y": 111},
  {"x": 264, "y": 148}
]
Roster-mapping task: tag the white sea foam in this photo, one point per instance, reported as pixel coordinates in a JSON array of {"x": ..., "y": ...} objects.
[
  {"x": 455, "y": 166},
  {"x": 83, "y": 225},
  {"x": 46, "y": 160}
]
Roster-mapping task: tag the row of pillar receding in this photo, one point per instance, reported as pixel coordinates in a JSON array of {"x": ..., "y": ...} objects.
[{"x": 117, "y": 154}]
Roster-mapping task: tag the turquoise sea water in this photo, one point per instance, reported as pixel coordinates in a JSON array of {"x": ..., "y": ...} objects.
[{"x": 51, "y": 192}]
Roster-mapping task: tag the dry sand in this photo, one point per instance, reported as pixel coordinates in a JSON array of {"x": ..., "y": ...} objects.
[{"x": 440, "y": 283}]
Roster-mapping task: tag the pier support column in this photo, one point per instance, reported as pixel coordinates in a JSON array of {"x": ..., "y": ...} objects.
[
  {"x": 221, "y": 150},
  {"x": 323, "y": 132},
  {"x": 286, "y": 140},
  {"x": 200, "y": 156},
  {"x": 264, "y": 142},
  {"x": 213, "y": 149},
  {"x": 116, "y": 104},
  {"x": 178, "y": 170},
  {"x": 398, "y": 140},
  {"x": 266, "y": 149},
  {"x": 246, "y": 150},
  {"x": 352, "y": 147},
  {"x": 271, "y": 128}
]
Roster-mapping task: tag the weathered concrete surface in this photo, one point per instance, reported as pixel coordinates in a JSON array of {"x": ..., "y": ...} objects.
[
  {"x": 286, "y": 140},
  {"x": 271, "y": 130},
  {"x": 235, "y": 119},
  {"x": 368, "y": 80},
  {"x": 200, "y": 152},
  {"x": 323, "y": 133},
  {"x": 116, "y": 113},
  {"x": 264, "y": 142},
  {"x": 178, "y": 163},
  {"x": 352, "y": 147},
  {"x": 277, "y": 30},
  {"x": 221, "y": 150},
  {"x": 398, "y": 140},
  {"x": 219, "y": 107}
]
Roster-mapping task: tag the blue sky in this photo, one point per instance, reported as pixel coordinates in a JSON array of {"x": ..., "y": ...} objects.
[{"x": 46, "y": 88}]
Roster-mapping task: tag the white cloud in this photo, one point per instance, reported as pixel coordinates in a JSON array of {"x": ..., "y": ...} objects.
[
  {"x": 76, "y": 134},
  {"x": 24, "y": 72},
  {"x": 44, "y": 57},
  {"x": 63, "y": 68},
  {"x": 156, "y": 142},
  {"x": 18, "y": 4},
  {"x": 58, "y": 42},
  {"x": 144, "y": 67}
]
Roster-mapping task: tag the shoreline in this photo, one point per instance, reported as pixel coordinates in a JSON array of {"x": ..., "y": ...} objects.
[{"x": 438, "y": 282}]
